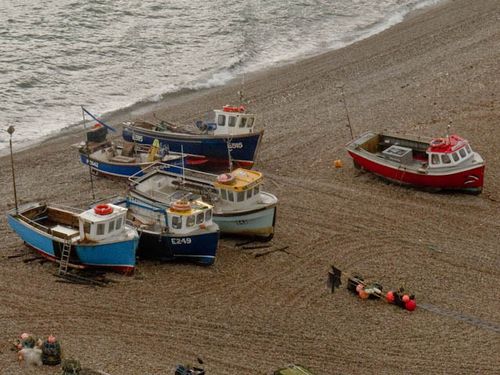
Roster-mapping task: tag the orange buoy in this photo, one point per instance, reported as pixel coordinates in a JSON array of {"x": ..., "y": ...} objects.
[
  {"x": 103, "y": 209},
  {"x": 389, "y": 297},
  {"x": 337, "y": 163},
  {"x": 362, "y": 294},
  {"x": 411, "y": 305}
]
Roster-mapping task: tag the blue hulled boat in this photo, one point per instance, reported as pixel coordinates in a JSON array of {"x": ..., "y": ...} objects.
[
  {"x": 230, "y": 137},
  {"x": 129, "y": 159},
  {"x": 240, "y": 206},
  {"x": 98, "y": 237},
  {"x": 107, "y": 158},
  {"x": 182, "y": 230}
]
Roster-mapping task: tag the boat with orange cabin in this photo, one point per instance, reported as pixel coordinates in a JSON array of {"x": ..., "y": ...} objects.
[
  {"x": 447, "y": 163},
  {"x": 182, "y": 229},
  {"x": 240, "y": 207}
]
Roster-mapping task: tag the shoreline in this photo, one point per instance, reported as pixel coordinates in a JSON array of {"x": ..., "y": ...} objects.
[
  {"x": 143, "y": 107},
  {"x": 253, "y": 314}
]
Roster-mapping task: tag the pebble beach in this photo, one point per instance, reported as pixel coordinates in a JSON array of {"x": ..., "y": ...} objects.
[{"x": 252, "y": 313}]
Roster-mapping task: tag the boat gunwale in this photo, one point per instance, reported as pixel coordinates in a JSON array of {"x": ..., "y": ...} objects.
[{"x": 189, "y": 136}]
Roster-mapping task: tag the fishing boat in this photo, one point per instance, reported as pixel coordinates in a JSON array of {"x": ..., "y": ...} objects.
[
  {"x": 98, "y": 237},
  {"x": 182, "y": 230},
  {"x": 130, "y": 159},
  {"x": 105, "y": 157},
  {"x": 231, "y": 137},
  {"x": 240, "y": 206},
  {"x": 446, "y": 163}
]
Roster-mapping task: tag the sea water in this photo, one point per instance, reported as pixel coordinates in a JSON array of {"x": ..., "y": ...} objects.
[{"x": 106, "y": 55}]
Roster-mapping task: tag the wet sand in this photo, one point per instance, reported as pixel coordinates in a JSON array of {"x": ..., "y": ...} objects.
[{"x": 251, "y": 314}]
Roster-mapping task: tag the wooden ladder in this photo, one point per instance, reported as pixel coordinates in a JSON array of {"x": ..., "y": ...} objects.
[{"x": 64, "y": 261}]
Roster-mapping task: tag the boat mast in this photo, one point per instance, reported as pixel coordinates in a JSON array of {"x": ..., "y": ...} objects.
[
  {"x": 229, "y": 158},
  {"x": 11, "y": 130},
  {"x": 87, "y": 151},
  {"x": 346, "y": 111},
  {"x": 448, "y": 133},
  {"x": 183, "y": 172}
]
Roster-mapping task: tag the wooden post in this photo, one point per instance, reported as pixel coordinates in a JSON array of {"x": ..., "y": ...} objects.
[{"x": 334, "y": 280}]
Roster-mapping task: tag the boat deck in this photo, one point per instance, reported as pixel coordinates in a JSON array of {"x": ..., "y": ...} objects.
[{"x": 415, "y": 163}]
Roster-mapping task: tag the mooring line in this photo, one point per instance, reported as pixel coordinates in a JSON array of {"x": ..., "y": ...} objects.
[{"x": 459, "y": 316}]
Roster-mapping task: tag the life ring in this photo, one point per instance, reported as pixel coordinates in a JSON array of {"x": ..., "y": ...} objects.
[
  {"x": 229, "y": 108},
  {"x": 437, "y": 142},
  {"x": 180, "y": 205},
  {"x": 225, "y": 178},
  {"x": 103, "y": 209}
]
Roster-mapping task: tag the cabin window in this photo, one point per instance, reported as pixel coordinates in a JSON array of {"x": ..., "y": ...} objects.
[
  {"x": 199, "y": 218},
  {"x": 467, "y": 148},
  {"x": 257, "y": 189},
  {"x": 232, "y": 121},
  {"x": 100, "y": 229},
  {"x": 190, "y": 221},
  {"x": 111, "y": 226},
  {"x": 446, "y": 159},
  {"x": 221, "y": 120},
  {"x": 240, "y": 196},
  {"x": 208, "y": 215},
  {"x": 176, "y": 222},
  {"x": 435, "y": 159},
  {"x": 462, "y": 152},
  {"x": 118, "y": 223},
  {"x": 243, "y": 122},
  {"x": 249, "y": 193},
  {"x": 230, "y": 196},
  {"x": 86, "y": 227},
  {"x": 455, "y": 156},
  {"x": 223, "y": 194},
  {"x": 250, "y": 122}
]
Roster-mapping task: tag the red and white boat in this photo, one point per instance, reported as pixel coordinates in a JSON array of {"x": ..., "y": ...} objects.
[{"x": 441, "y": 164}]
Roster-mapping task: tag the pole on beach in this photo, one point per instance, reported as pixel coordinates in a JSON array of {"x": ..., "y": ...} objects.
[
  {"x": 87, "y": 151},
  {"x": 346, "y": 111},
  {"x": 11, "y": 130}
]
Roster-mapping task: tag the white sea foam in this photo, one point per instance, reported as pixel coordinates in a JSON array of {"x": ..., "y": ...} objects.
[{"x": 60, "y": 55}]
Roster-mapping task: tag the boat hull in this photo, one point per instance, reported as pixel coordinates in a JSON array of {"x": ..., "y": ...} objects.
[
  {"x": 196, "y": 247},
  {"x": 125, "y": 170},
  {"x": 119, "y": 256},
  {"x": 259, "y": 223},
  {"x": 243, "y": 148},
  {"x": 466, "y": 179}
]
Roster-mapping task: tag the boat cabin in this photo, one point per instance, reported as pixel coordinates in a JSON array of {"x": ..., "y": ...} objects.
[
  {"x": 239, "y": 187},
  {"x": 231, "y": 120},
  {"x": 101, "y": 222},
  {"x": 184, "y": 215},
  {"x": 448, "y": 152}
]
